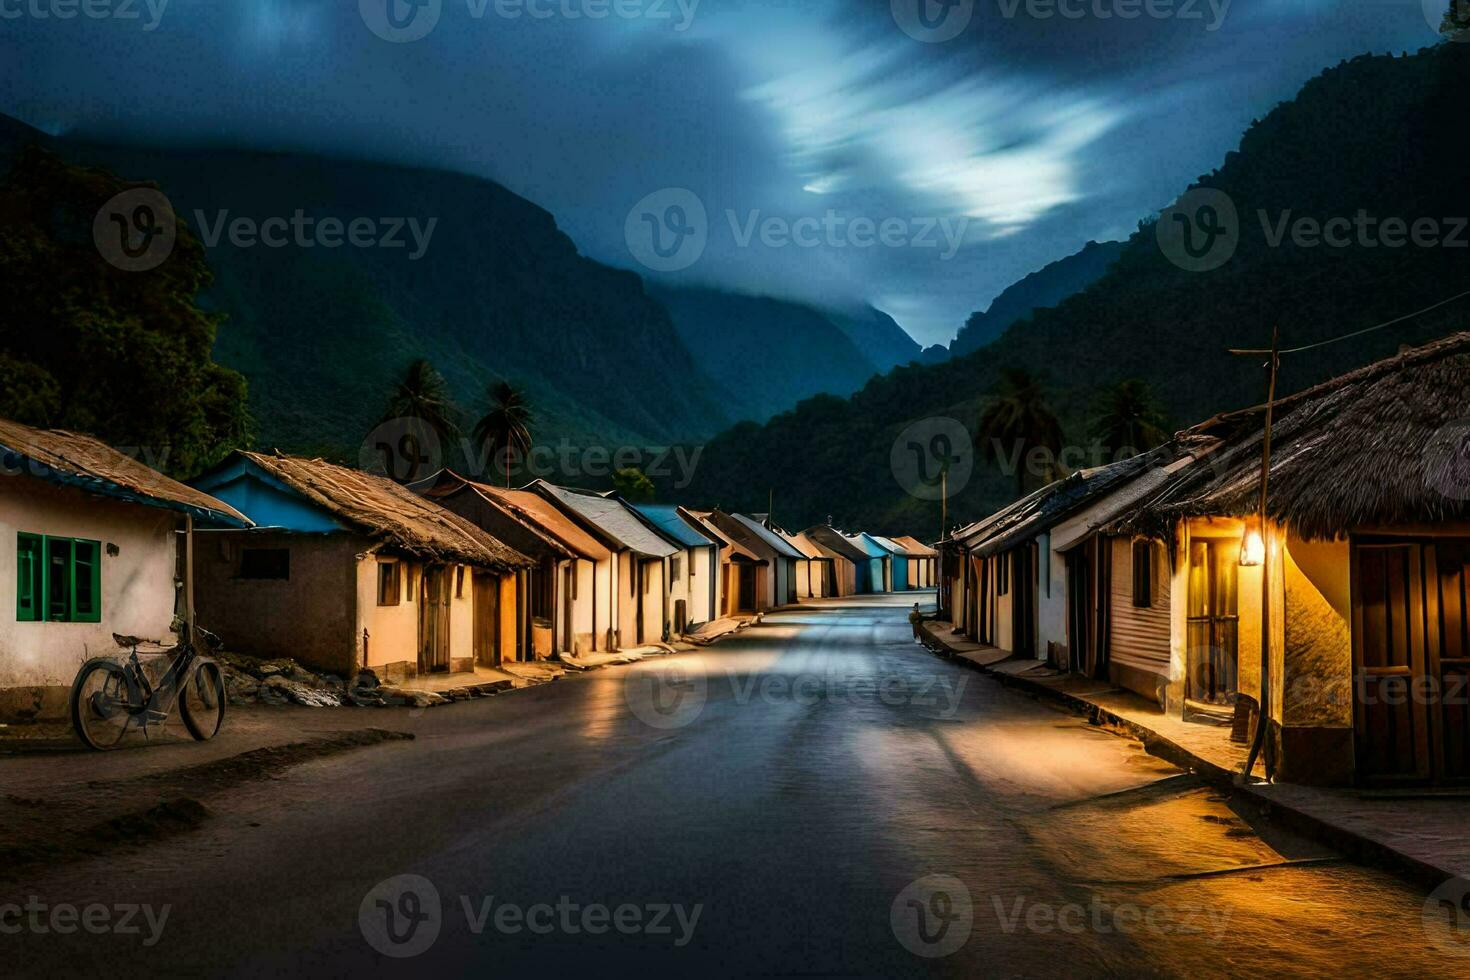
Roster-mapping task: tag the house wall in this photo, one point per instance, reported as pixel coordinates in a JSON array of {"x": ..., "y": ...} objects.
[
  {"x": 392, "y": 631},
  {"x": 310, "y": 616},
  {"x": 1138, "y": 636},
  {"x": 701, "y": 569},
  {"x": 1051, "y": 597},
  {"x": 626, "y": 621},
  {"x": 1316, "y": 719},
  {"x": 656, "y": 600},
  {"x": 510, "y": 619},
  {"x": 1004, "y": 628},
  {"x": 605, "y": 606},
  {"x": 39, "y": 661},
  {"x": 583, "y": 605}
]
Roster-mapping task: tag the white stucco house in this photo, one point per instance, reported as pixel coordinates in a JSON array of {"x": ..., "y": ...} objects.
[{"x": 91, "y": 544}]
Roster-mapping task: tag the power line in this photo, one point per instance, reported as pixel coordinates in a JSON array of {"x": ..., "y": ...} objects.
[{"x": 1355, "y": 333}]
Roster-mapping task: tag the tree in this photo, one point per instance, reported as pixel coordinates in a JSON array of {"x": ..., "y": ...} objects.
[
  {"x": 86, "y": 345},
  {"x": 506, "y": 427},
  {"x": 1016, "y": 423},
  {"x": 423, "y": 394},
  {"x": 633, "y": 485},
  {"x": 1129, "y": 420},
  {"x": 1456, "y": 23}
]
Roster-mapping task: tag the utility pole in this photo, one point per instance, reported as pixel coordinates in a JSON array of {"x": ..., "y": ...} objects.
[{"x": 1263, "y": 713}]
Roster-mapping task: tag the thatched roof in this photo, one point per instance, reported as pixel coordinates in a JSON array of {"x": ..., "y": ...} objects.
[
  {"x": 71, "y": 459},
  {"x": 393, "y": 514},
  {"x": 1385, "y": 445}
]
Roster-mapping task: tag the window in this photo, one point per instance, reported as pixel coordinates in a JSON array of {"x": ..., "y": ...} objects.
[
  {"x": 542, "y": 586},
  {"x": 58, "y": 580},
  {"x": 389, "y": 584},
  {"x": 1003, "y": 574},
  {"x": 28, "y": 578},
  {"x": 459, "y": 582},
  {"x": 265, "y": 563},
  {"x": 674, "y": 569},
  {"x": 1143, "y": 574}
]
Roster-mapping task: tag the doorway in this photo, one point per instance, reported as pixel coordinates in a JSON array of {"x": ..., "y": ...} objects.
[
  {"x": 434, "y": 599},
  {"x": 1213, "y": 618},
  {"x": 1411, "y": 659},
  {"x": 486, "y": 623}
]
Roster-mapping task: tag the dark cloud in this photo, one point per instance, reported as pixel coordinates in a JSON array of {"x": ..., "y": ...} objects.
[{"x": 1034, "y": 133}]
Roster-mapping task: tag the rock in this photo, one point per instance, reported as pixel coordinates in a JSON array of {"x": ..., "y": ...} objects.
[
  {"x": 366, "y": 678},
  {"x": 299, "y": 693},
  {"x": 412, "y": 699},
  {"x": 270, "y": 668}
]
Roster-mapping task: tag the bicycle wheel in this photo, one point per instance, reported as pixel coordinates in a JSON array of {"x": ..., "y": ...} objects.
[
  {"x": 202, "y": 701},
  {"x": 101, "y": 709}
]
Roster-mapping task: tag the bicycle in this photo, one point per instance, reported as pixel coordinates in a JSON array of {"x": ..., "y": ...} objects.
[{"x": 111, "y": 698}]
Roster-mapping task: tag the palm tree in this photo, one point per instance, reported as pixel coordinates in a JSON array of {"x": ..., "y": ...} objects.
[
  {"x": 1129, "y": 419},
  {"x": 507, "y": 426},
  {"x": 1016, "y": 422},
  {"x": 423, "y": 394}
]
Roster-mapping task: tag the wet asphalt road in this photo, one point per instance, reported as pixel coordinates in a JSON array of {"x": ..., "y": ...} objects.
[{"x": 817, "y": 795}]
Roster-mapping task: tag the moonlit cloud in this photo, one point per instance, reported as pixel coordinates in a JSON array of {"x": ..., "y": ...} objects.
[{"x": 1044, "y": 134}]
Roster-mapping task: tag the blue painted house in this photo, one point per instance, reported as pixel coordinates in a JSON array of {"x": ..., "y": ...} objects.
[{"x": 880, "y": 562}]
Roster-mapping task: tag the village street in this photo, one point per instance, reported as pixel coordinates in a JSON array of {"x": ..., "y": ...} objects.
[{"x": 766, "y": 803}]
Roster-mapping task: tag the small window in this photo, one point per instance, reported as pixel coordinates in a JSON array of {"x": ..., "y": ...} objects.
[
  {"x": 265, "y": 563},
  {"x": 389, "y": 585},
  {"x": 674, "y": 569},
  {"x": 459, "y": 582},
  {"x": 27, "y": 578},
  {"x": 1143, "y": 574}
]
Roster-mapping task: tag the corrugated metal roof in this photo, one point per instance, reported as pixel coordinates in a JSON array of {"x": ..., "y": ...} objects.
[
  {"x": 769, "y": 537},
  {"x": 611, "y": 516},
  {"x": 672, "y": 523},
  {"x": 72, "y": 459},
  {"x": 835, "y": 541},
  {"x": 738, "y": 550}
]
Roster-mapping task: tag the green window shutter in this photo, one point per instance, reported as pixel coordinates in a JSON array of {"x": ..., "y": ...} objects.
[
  {"x": 27, "y": 578},
  {"x": 86, "y": 582}
]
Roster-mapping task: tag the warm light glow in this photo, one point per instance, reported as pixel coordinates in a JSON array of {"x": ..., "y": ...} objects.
[{"x": 1252, "y": 547}]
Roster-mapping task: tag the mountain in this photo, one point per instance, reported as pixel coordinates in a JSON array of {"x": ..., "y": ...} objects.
[
  {"x": 321, "y": 332},
  {"x": 1374, "y": 137},
  {"x": 878, "y": 336},
  {"x": 765, "y": 354},
  {"x": 1042, "y": 289}
]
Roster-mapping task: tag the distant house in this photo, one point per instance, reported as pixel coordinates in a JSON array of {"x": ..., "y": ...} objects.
[
  {"x": 569, "y": 591},
  {"x": 816, "y": 577},
  {"x": 880, "y": 561},
  {"x": 92, "y": 543},
  {"x": 775, "y": 581},
  {"x": 640, "y": 580},
  {"x": 741, "y": 569},
  {"x": 923, "y": 562},
  {"x": 851, "y": 565},
  {"x": 694, "y": 581},
  {"x": 346, "y": 570},
  {"x": 898, "y": 563}
]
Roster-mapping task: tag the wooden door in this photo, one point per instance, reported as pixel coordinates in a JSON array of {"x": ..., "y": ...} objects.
[
  {"x": 1023, "y": 600},
  {"x": 568, "y": 593},
  {"x": 1411, "y": 660},
  {"x": 1213, "y": 621},
  {"x": 748, "y": 583},
  {"x": 1079, "y": 608},
  {"x": 486, "y": 589},
  {"x": 434, "y": 598}
]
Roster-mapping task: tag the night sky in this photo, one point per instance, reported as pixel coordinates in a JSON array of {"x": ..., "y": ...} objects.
[{"x": 1042, "y": 131}]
